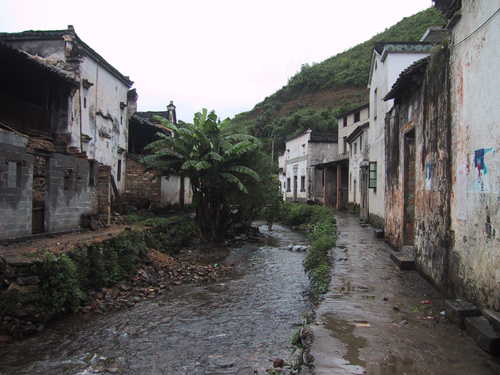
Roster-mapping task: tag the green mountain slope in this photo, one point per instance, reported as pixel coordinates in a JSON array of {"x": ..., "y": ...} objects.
[{"x": 318, "y": 93}]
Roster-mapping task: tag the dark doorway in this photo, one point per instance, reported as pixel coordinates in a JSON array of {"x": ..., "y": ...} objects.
[
  {"x": 409, "y": 188},
  {"x": 38, "y": 210}
]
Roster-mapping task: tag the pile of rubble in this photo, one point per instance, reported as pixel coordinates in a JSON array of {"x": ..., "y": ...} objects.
[{"x": 151, "y": 280}]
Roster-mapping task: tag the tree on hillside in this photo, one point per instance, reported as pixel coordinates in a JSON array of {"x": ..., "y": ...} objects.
[{"x": 211, "y": 161}]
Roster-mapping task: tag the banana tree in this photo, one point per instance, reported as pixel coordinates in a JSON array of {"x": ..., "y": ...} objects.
[{"x": 211, "y": 161}]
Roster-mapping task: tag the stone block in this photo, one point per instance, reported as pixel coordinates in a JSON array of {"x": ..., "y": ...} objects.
[
  {"x": 378, "y": 233},
  {"x": 457, "y": 311},
  {"x": 403, "y": 261},
  {"x": 28, "y": 280},
  {"x": 408, "y": 250},
  {"x": 493, "y": 317},
  {"x": 480, "y": 329}
]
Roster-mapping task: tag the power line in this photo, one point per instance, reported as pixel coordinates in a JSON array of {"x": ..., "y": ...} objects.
[{"x": 479, "y": 28}]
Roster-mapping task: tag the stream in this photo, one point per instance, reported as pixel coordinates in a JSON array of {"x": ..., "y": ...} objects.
[{"x": 236, "y": 325}]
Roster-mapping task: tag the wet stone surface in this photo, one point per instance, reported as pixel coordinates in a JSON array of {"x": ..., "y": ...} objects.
[
  {"x": 236, "y": 325},
  {"x": 378, "y": 319}
]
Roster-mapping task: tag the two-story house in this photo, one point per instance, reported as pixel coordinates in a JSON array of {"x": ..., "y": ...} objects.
[
  {"x": 301, "y": 176},
  {"x": 64, "y": 131}
]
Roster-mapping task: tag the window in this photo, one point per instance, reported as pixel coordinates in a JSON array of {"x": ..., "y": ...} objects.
[
  {"x": 68, "y": 176},
  {"x": 13, "y": 174},
  {"x": 119, "y": 172},
  {"x": 350, "y": 151},
  {"x": 356, "y": 117},
  {"x": 373, "y": 175},
  {"x": 355, "y": 148},
  {"x": 84, "y": 102},
  {"x": 360, "y": 143},
  {"x": 302, "y": 183},
  {"x": 345, "y": 145},
  {"x": 375, "y": 99},
  {"x": 92, "y": 170},
  {"x": 303, "y": 149},
  {"x": 288, "y": 154},
  {"x": 288, "y": 185},
  {"x": 345, "y": 121}
]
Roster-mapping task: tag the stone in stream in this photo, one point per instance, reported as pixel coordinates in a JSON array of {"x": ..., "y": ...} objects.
[{"x": 219, "y": 365}]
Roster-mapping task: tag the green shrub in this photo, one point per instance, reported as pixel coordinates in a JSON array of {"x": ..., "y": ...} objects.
[
  {"x": 169, "y": 236},
  {"x": 60, "y": 287},
  {"x": 110, "y": 261}
]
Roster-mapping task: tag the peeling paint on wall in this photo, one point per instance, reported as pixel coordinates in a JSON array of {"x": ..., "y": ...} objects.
[{"x": 461, "y": 187}]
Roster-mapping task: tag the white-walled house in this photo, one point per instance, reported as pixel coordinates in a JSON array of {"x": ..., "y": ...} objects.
[
  {"x": 388, "y": 61},
  {"x": 97, "y": 118},
  {"x": 301, "y": 178},
  {"x": 353, "y": 127},
  {"x": 63, "y": 132}
]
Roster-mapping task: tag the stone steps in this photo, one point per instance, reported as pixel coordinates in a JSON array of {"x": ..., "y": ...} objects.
[
  {"x": 482, "y": 332},
  {"x": 402, "y": 261}
]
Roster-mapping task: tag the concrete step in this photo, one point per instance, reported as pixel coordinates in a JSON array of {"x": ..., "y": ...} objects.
[
  {"x": 403, "y": 261},
  {"x": 408, "y": 250},
  {"x": 493, "y": 317},
  {"x": 378, "y": 233},
  {"x": 456, "y": 311},
  {"x": 480, "y": 329}
]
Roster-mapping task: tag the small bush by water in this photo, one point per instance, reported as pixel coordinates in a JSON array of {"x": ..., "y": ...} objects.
[{"x": 65, "y": 278}]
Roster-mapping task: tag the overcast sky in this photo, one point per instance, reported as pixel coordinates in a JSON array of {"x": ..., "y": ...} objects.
[{"x": 225, "y": 55}]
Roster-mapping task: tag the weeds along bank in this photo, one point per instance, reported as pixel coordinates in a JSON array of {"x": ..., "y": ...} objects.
[
  {"x": 321, "y": 224},
  {"x": 32, "y": 293}
]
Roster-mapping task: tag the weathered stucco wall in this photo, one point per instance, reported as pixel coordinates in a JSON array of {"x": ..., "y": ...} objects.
[
  {"x": 15, "y": 181},
  {"x": 68, "y": 191},
  {"x": 433, "y": 237},
  {"x": 475, "y": 215},
  {"x": 296, "y": 166}
]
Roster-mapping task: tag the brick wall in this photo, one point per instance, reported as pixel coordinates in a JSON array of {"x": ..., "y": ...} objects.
[{"x": 140, "y": 185}]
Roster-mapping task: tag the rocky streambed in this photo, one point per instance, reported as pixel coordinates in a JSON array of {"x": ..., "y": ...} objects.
[{"x": 231, "y": 317}]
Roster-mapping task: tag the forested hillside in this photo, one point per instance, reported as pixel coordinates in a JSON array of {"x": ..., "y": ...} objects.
[{"x": 319, "y": 92}]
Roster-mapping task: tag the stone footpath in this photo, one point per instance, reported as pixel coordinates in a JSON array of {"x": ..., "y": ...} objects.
[{"x": 379, "y": 319}]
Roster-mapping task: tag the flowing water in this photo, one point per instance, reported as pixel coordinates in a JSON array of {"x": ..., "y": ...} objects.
[{"x": 237, "y": 325}]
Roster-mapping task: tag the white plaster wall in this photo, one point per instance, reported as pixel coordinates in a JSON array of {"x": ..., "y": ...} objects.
[
  {"x": 382, "y": 79},
  {"x": 345, "y": 131},
  {"x": 355, "y": 167},
  {"x": 170, "y": 190},
  {"x": 296, "y": 155},
  {"x": 476, "y": 129},
  {"x": 103, "y": 119}
]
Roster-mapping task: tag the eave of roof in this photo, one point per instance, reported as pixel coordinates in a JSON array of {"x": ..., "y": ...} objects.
[
  {"x": 357, "y": 132},
  {"x": 323, "y": 138},
  {"x": 405, "y": 78},
  {"x": 51, "y": 69},
  {"x": 59, "y": 34}
]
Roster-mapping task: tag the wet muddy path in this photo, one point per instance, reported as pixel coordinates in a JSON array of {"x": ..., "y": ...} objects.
[
  {"x": 245, "y": 320},
  {"x": 379, "y": 320}
]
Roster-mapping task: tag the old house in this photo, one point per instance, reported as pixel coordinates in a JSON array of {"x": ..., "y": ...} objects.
[
  {"x": 388, "y": 61},
  {"x": 301, "y": 174},
  {"x": 353, "y": 127},
  {"x": 473, "y": 265},
  {"x": 64, "y": 124},
  {"x": 443, "y": 170},
  {"x": 142, "y": 186},
  {"x": 97, "y": 118}
]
